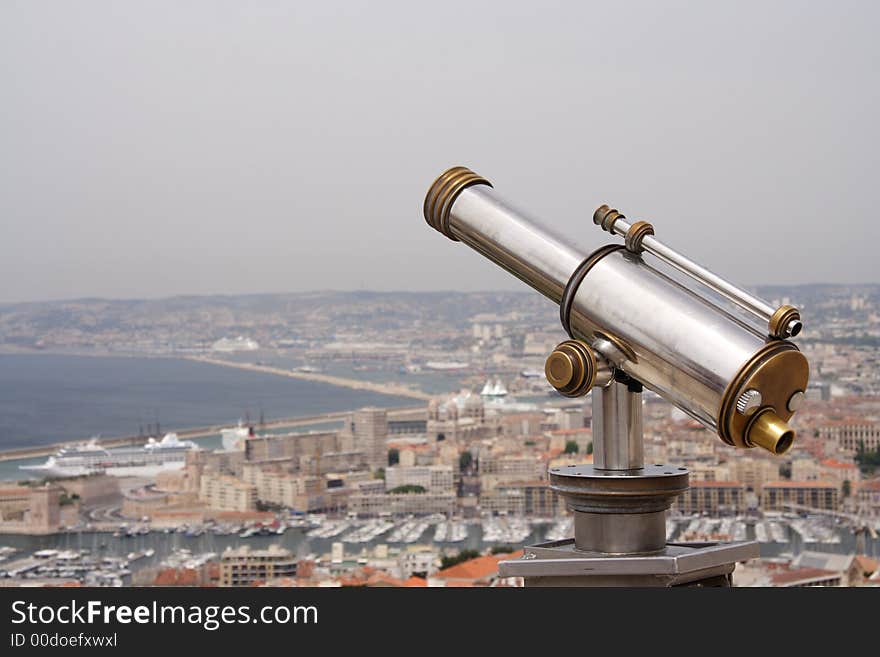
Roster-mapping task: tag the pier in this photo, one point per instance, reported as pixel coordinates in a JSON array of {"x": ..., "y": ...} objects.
[{"x": 354, "y": 384}]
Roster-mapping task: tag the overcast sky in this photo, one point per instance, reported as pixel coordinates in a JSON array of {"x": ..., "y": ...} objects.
[{"x": 161, "y": 148}]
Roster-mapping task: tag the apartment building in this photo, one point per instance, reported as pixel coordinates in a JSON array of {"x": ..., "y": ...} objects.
[
  {"x": 777, "y": 495},
  {"x": 282, "y": 488},
  {"x": 244, "y": 566},
  {"x": 434, "y": 478},
  {"x": 226, "y": 493},
  {"x": 538, "y": 499},
  {"x": 713, "y": 497},
  {"x": 372, "y": 504},
  {"x": 753, "y": 472},
  {"x": 849, "y": 434}
]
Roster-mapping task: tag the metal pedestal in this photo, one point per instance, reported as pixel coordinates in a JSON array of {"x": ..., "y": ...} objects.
[
  {"x": 619, "y": 506},
  {"x": 560, "y": 563}
]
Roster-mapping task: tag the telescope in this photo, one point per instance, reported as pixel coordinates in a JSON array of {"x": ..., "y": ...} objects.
[{"x": 639, "y": 315}]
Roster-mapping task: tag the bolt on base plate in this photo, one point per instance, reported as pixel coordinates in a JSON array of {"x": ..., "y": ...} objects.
[{"x": 559, "y": 563}]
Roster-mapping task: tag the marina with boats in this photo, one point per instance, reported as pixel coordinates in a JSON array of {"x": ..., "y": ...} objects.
[{"x": 109, "y": 558}]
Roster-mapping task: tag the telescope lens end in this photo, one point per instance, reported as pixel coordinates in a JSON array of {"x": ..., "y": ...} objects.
[
  {"x": 442, "y": 194},
  {"x": 770, "y": 432}
]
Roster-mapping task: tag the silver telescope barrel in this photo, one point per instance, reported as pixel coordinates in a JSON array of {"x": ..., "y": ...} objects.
[
  {"x": 519, "y": 244},
  {"x": 784, "y": 322},
  {"x": 740, "y": 383}
]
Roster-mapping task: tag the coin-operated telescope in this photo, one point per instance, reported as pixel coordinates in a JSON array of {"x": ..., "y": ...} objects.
[{"x": 639, "y": 315}]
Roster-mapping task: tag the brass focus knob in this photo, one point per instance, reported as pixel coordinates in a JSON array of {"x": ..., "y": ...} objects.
[{"x": 571, "y": 368}]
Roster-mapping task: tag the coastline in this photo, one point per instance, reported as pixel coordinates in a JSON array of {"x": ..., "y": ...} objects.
[
  {"x": 339, "y": 381},
  {"x": 210, "y": 428}
]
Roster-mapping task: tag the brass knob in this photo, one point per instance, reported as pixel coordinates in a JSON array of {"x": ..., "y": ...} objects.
[
  {"x": 748, "y": 402},
  {"x": 571, "y": 368}
]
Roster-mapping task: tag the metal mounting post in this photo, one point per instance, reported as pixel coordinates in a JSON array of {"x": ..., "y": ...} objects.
[{"x": 619, "y": 506}]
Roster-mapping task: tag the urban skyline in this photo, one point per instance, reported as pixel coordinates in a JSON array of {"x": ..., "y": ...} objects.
[{"x": 440, "y": 492}]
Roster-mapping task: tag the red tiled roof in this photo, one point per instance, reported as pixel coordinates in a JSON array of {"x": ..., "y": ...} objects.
[
  {"x": 176, "y": 577},
  {"x": 476, "y": 569},
  {"x": 867, "y": 564},
  {"x": 800, "y": 484},
  {"x": 832, "y": 463},
  {"x": 800, "y": 574},
  {"x": 369, "y": 576}
]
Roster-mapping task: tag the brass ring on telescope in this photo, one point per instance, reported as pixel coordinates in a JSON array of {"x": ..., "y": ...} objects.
[
  {"x": 431, "y": 209},
  {"x": 431, "y": 196},
  {"x": 780, "y": 320},
  {"x": 574, "y": 283},
  {"x": 636, "y": 233},
  {"x": 605, "y": 217},
  {"x": 442, "y": 194}
]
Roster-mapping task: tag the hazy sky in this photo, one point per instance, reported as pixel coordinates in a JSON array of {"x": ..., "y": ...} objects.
[{"x": 159, "y": 148}]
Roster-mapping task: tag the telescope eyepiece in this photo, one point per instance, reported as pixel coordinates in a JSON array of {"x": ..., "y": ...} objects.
[{"x": 769, "y": 431}]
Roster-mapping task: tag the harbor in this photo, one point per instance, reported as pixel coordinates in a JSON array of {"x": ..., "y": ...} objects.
[{"x": 109, "y": 558}]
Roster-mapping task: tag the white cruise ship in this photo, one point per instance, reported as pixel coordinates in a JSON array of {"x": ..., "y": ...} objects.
[{"x": 90, "y": 458}]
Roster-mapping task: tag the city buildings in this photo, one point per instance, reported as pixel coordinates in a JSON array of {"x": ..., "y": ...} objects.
[
  {"x": 459, "y": 418},
  {"x": 713, "y": 497},
  {"x": 474, "y": 457},
  {"x": 753, "y": 471},
  {"x": 808, "y": 569},
  {"x": 369, "y": 429},
  {"x": 434, "y": 478},
  {"x": 226, "y": 492},
  {"x": 245, "y": 567},
  {"x": 479, "y": 571},
  {"x": 373, "y": 504},
  {"x": 288, "y": 490},
  {"x": 868, "y": 496},
  {"x": 30, "y": 509},
  {"x": 851, "y": 434},
  {"x": 781, "y": 495}
]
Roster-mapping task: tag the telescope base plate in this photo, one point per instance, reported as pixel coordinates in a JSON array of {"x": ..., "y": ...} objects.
[{"x": 559, "y": 563}]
